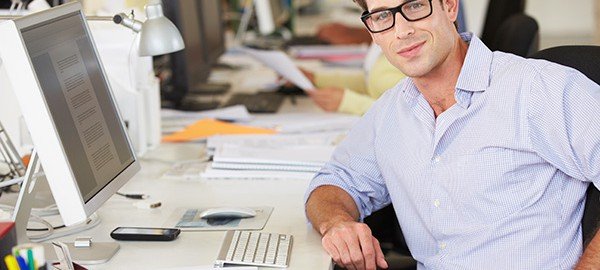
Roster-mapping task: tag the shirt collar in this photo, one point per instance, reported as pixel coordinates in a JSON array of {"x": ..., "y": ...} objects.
[{"x": 474, "y": 75}]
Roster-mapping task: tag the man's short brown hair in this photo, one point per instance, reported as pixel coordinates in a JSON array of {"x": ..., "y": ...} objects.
[{"x": 363, "y": 5}]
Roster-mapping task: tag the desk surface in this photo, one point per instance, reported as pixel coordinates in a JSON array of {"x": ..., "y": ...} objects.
[{"x": 201, "y": 248}]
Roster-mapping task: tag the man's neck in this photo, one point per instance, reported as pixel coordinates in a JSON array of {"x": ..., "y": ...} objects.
[{"x": 438, "y": 86}]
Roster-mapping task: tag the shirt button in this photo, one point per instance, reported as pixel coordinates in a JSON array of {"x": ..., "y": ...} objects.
[
  {"x": 437, "y": 159},
  {"x": 442, "y": 246},
  {"x": 436, "y": 202}
]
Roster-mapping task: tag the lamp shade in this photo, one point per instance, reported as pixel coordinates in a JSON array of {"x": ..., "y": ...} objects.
[{"x": 158, "y": 35}]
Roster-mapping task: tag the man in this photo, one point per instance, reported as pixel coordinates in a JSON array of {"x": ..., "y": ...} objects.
[{"x": 485, "y": 156}]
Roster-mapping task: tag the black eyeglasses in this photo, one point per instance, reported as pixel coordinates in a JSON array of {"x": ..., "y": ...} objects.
[{"x": 382, "y": 20}]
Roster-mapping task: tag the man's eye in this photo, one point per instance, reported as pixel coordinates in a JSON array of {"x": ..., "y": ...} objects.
[
  {"x": 380, "y": 16},
  {"x": 414, "y": 6}
]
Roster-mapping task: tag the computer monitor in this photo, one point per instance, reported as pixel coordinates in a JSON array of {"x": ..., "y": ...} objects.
[
  {"x": 70, "y": 111},
  {"x": 271, "y": 15},
  {"x": 201, "y": 25},
  {"x": 211, "y": 16}
]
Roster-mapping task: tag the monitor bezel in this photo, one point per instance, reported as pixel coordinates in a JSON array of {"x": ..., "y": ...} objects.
[{"x": 72, "y": 207}]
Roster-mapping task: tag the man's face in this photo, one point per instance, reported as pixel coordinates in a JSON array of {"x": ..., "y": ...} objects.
[{"x": 418, "y": 47}]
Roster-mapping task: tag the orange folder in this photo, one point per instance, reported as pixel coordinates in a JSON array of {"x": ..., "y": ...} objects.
[{"x": 209, "y": 127}]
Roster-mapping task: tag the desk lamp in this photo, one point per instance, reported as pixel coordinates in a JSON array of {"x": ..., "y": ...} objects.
[{"x": 158, "y": 35}]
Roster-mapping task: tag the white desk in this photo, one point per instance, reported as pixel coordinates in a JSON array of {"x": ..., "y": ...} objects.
[{"x": 201, "y": 248}]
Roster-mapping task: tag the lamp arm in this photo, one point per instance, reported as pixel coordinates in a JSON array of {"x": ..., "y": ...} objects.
[{"x": 130, "y": 23}]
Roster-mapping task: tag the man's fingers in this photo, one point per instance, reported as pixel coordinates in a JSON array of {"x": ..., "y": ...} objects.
[
  {"x": 354, "y": 246},
  {"x": 368, "y": 248},
  {"x": 331, "y": 250},
  {"x": 381, "y": 263},
  {"x": 345, "y": 250}
]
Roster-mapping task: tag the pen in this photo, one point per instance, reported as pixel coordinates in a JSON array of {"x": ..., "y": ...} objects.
[
  {"x": 22, "y": 263},
  {"x": 11, "y": 262},
  {"x": 30, "y": 259}
]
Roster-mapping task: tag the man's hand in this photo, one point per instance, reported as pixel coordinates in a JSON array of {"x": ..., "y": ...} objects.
[
  {"x": 352, "y": 246},
  {"x": 328, "y": 98}
]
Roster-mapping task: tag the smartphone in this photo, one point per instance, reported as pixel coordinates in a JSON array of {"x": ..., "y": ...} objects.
[{"x": 144, "y": 234}]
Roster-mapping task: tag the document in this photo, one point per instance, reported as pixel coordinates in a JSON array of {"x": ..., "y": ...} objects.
[
  {"x": 297, "y": 156},
  {"x": 305, "y": 122},
  {"x": 282, "y": 64},
  {"x": 217, "y": 174},
  {"x": 84, "y": 107},
  {"x": 329, "y": 51},
  {"x": 274, "y": 141},
  {"x": 210, "y": 267}
]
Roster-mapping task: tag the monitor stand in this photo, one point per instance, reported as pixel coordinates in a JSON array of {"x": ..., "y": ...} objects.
[{"x": 96, "y": 253}]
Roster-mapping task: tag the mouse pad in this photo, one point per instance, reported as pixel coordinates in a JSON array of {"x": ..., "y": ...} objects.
[{"x": 188, "y": 219}]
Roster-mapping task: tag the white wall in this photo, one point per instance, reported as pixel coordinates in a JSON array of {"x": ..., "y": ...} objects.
[{"x": 560, "y": 21}]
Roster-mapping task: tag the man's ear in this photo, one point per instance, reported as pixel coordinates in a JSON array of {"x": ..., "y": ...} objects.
[{"x": 451, "y": 9}]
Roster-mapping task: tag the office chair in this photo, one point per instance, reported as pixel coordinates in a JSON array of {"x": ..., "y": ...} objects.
[
  {"x": 585, "y": 59},
  {"x": 497, "y": 12},
  {"x": 519, "y": 34},
  {"x": 385, "y": 227}
]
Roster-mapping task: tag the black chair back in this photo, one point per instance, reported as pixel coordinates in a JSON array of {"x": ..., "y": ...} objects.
[
  {"x": 585, "y": 59},
  {"x": 519, "y": 35},
  {"x": 497, "y": 12}
]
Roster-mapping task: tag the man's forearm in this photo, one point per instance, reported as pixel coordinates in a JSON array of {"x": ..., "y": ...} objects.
[
  {"x": 591, "y": 256},
  {"x": 328, "y": 205}
]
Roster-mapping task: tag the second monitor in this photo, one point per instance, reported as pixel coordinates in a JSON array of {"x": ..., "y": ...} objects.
[{"x": 202, "y": 27}]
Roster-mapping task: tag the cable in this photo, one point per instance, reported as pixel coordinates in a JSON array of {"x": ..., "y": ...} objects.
[
  {"x": 18, "y": 180},
  {"x": 133, "y": 196},
  {"x": 91, "y": 222}
]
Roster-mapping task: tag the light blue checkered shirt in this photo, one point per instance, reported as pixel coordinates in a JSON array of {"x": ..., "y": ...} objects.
[{"x": 497, "y": 181}]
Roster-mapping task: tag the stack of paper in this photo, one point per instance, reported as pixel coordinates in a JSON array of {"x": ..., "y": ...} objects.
[
  {"x": 305, "y": 122},
  {"x": 268, "y": 157}
]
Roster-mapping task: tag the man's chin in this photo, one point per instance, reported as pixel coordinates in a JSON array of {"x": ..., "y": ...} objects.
[{"x": 414, "y": 72}]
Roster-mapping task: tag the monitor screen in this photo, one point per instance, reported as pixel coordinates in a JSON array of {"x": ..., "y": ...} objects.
[
  {"x": 189, "y": 67},
  {"x": 79, "y": 101},
  {"x": 211, "y": 15},
  {"x": 271, "y": 15}
]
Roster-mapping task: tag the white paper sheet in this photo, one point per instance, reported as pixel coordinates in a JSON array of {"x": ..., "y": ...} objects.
[
  {"x": 210, "y": 267},
  {"x": 295, "y": 156},
  {"x": 290, "y": 123},
  {"x": 275, "y": 141},
  {"x": 282, "y": 64},
  {"x": 216, "y": 174}
]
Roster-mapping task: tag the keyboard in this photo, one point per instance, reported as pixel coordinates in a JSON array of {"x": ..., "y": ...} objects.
[
  {"x": 305, "y": 40},
  {"x": 262, "y": 102},
  {"x": 255, "y": 248}
]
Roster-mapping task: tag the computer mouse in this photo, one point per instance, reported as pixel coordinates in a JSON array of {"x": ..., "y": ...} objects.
[{"x": 228, "y": 212}]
